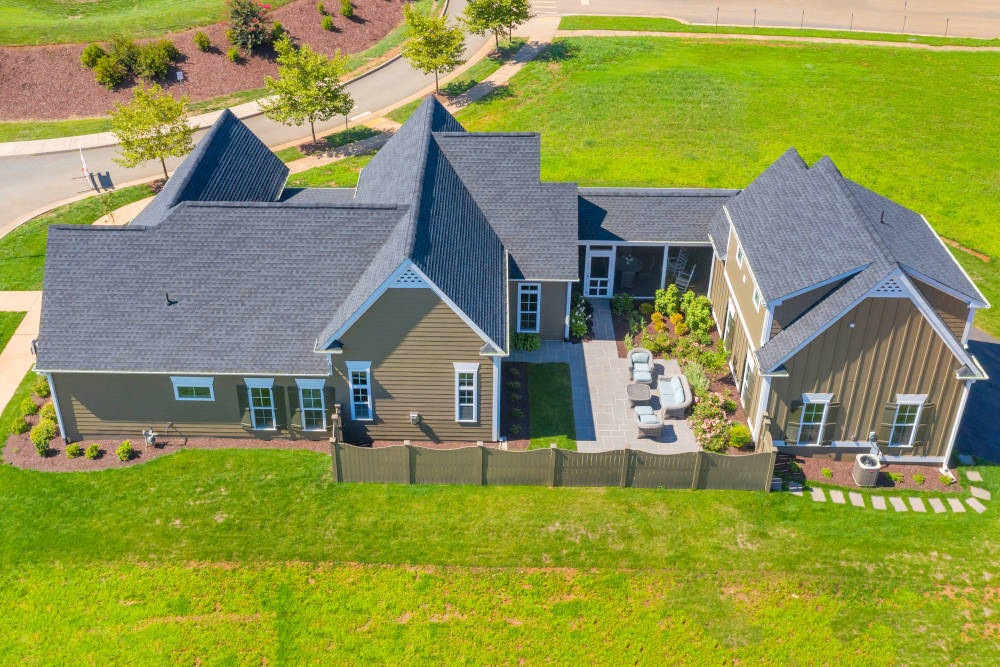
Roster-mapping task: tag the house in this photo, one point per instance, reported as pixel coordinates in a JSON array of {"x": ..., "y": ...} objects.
[{"x": 235, "y": 306}]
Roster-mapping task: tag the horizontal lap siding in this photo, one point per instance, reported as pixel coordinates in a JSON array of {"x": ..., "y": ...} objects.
[
  {"x": 552, "y": 322},
  {"x": 412, "y": 338},
  {"x": 891, "y": 349},
  {"x": 742, "y": 283}
]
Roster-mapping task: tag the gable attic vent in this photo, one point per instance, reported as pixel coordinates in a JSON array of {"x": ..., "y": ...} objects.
[
  {"x": 890, "y": 287},
  {"x": 408, "y": 278}
]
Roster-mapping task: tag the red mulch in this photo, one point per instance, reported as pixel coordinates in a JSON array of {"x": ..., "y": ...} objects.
[
  {"x": 48, "y": 82},
  {"x": 813, "y": 465}
]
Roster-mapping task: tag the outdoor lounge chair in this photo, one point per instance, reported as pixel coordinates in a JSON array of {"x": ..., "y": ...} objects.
[
  {"x": 647, "y": 422},
  {"x": 641, "y": 365},
  {"x": 675, "y": 396}
]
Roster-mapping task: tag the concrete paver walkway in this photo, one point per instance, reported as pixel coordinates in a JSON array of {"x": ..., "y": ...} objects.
[
  {"x": 976, "y": 505},
  {"x": 956, "y": 505},
  {"x": 16, "y": 358}
]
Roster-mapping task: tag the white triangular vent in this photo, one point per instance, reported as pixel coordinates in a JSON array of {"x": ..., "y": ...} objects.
[
  {"x": 409, "y": 278},
  {"x": 890, "y": 287}
]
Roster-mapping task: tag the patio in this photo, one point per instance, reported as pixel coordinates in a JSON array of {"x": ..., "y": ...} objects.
[{"x": 601, "y": 413}]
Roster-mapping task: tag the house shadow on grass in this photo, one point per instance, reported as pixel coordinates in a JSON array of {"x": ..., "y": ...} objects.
[{"x": 977, "y": 435}]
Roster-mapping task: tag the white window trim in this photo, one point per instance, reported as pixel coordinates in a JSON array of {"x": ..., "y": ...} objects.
[
  {"x": 814, "y": 399},
  {"x": 366, "y": 368},
  {"x": 537, "y": 289},
  {"x": 260, "y": 383},
  {"x": 748, "y": 368},
  {"x": 758, "y": 298},
  {"x": 907, "y": 399},
  {"x": 181, "y": 381},
  {"x": 312, "y": 383},
  {"x": 474, "y": 369},
  {"x": 739, "y": 254}
]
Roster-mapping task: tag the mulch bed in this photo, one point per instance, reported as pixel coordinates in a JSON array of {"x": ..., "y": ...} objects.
[
  {"x": 520, "y": 440},
  {"x": 48, "y": 82},
  {"x": 812, "y": 466},
  {"x": 428, "y": 444}
]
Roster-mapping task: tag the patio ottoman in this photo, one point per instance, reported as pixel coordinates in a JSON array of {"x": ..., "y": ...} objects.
[
  {"x": 646, "y": 421},
  {"x": 644, "y": 377}
]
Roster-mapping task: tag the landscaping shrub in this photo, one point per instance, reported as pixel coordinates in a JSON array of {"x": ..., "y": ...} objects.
[
  {"x": 109, "y": 72},
  {"x": 667, "y": 301},
  {"x": 896, "y": 477},
  {"x": 658, "y": 323},
  {"x": 513, "y": 385},
  {"x": 682, "y": 329},
  {"x": 662, "y": 344},
  {"x": 826, "y": 472},
  {"x": 629, "y": 343},
  {"x": 677, "y": 318},
  {"x": 233, "y": 54},
  {"x": 919, "y": 479},
  {"x": 48, "y": 411},
  {"x": 514, "y": 429},
  {"x": 154, "y": 59},
  {"x": 513, "y": 371},
  {"x": 729, "y": 405},
  {"x": 91, "y": 54},
  {"x": 125, "y": 51},
  {"x": 517, "y": 413},
  {"x": 277, "y": 31},
  {"x": 44, "y": 431},
  {"x": 516, "y": 398},
  {"x": 526, "y": 341},
  {"x": 739, "y": 434},
  {"x": 28, "y": 406},
  {"x": 320, "y": 8},
  {"x": 248, "y": 23},
  {"x": 124, "y": 451},
  {"x": 328, "y": 22},
  {"x": 646, "y": 309},
  {"x": 578, "y": 318},
  {"x": 945, "y": 480},
  {"x": 41, "y": 387},
  {"x": 93, "y": 449},
  {"x": 622, "y": 303},
  {"x": 73, "y": 451},
  {"x": 697, "y": 312},
  {"x": 695, "y": 374},
  {"x": 19, "y": 425},
  {"x": 346, "y": 8},
  {"x": 708, "y": 422},
  {"x": 202, "y": 42},
  {"x": 714, "y": 360}
]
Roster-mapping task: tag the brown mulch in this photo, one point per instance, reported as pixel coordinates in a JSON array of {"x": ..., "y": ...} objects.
[
  {"x": 813, "y": 465},
  {"x": 48, "y": 82},
  {"x": 519, "y": 441}
]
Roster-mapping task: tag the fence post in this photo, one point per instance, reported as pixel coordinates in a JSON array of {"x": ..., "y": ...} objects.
[
  {"x": 770, "y": 470},
  {"x": 626, "y": 462},
  {"x": 553, "y": 461},
  {"x": 409, "y": 463},
  {"x": 335, "y": 461},
  {"x": 696, "y": 475},
  {"x": 482, "y": 465}
]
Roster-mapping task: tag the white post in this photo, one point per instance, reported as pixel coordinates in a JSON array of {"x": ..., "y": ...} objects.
[
  {"x": 496, "y": 399},
  {"x": 954, "y": 427},
  {"x": 55, "y": 404},
  {"x": 569, "y": 287},
  {"x": 663, "y": 271}
]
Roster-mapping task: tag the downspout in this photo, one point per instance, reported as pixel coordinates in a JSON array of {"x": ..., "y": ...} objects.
[
  {"x": 496, "y": 399},
  {"x": 55, "y": 404},
  {"x": 954, "y": 428},
  {"x": 568, "y": 301}
]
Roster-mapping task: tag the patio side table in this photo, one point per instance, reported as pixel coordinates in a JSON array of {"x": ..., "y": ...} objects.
[{"x": 638, "y": 393}]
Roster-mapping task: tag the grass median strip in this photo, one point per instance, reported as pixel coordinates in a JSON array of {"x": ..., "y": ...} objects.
[
  {"x": 551, "y": 394},
  {"x": 9, "y": 321}
]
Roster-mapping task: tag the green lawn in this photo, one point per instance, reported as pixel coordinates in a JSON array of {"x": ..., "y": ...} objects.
[
  {"x": 340, "y": 174},
  {"x": 921, "y": 128},
  {"x": 342, "y": 138},
  {"x": 9, "y": 322},
  {"x": 551, "y": 406},
  {"x": 22, "y": 252},
  {"x": 652, "y": 24}
]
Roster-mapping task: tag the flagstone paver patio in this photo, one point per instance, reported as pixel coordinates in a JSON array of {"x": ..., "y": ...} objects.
[{"x": 601, "y": 414}]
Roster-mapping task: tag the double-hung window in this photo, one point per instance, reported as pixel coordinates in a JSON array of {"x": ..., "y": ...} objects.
[
  {"x": 261, "y": 392},
  {"x": 739, "y": 255},
  {"x": 906, "y": 420},
  {"x": 360, "y": 376},
  {"x": 312, "y": 404},
  {"x": 193, "y": 388},
  {"x": 727, "y": 332},
  {"x": 528, "y": 299},
  {"x": 466, "y": 392},
  {"x": 758, "y": 300},
  {"x": 746, "y": 386},
  {"x": 814, "y": 411}
]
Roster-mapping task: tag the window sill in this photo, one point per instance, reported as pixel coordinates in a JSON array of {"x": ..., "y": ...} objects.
[
  {"x": 269, "y": 430},
  {"x": 467, "y": 421},
  {"x": 195, "y": 400}
]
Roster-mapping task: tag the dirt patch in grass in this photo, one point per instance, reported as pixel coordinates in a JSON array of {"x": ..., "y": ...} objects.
[
  {"x": 840, "y": 471},
  {"x": 48, "y": 82}
]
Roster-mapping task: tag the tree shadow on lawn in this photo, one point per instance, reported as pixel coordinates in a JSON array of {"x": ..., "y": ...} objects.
[{"x": 558, "y": 52}]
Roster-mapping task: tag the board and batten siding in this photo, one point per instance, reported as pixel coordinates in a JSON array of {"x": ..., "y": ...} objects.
[
  {"x": 552, "y": 304},
  {"x": 953, "y": 312},
  {"x": 718, "y": 292},
  {"x": 412, "y": 339},
  {"x": 106, "y": 405},
  {"x": 891, "y": 349},
  {"x": 742, "y": 287},
  {"x": 791, "y": 309}
]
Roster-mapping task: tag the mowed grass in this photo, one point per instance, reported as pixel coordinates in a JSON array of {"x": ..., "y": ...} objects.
[
  {"x": 340, "y": 174},
  {"x": 656, "y": 24},
  {"x": 22, "y": 252},
  {"x": 550, "y": 394},
  {"x": 918, "y": 127},
  {"x": 230, "y": 556},
  {"x": 335, "y": 140},
  {"x": 9, "y": 322}
]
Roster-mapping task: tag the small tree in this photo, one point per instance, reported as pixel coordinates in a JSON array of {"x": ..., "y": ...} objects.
[
  {"x": 433, "y": 46},
  {"x": 308, "y": 87},
  {"x": 513, "y": 13},
  {"x": 483, "y": 16},
  {"x": 151, "y": 126}
]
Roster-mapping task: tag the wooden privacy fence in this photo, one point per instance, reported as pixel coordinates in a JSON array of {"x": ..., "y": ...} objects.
[{"x": 408, "y": 464}]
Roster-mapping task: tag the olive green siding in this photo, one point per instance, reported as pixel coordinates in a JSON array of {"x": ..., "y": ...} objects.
[
  {"x": 890, "y": 349},
  {"x": 954, "y": 312},
  {"x": 412, "y": 338},
  {"x": 742, "y": 283},
  {"x": 96, "y": 405},
  {"x": 791, "y": 309},
  {"x": 718, "y": 292},
  {"x": 552, "y": 309}
]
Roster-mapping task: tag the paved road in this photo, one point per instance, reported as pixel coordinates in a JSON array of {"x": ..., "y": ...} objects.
[
  {"x": 968, "y": 18},
  {"x": 29, "y": 182},
  {"x": 978, "y": 434}
]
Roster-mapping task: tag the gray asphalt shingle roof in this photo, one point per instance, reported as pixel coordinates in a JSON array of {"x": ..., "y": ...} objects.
[{"x": 649, "y": 214}]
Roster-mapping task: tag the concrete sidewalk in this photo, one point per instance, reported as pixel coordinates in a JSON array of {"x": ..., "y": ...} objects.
[{"x": 16, "y": 358}]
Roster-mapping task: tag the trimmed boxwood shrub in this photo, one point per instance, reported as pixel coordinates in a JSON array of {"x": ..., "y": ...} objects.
[
  {"x": 73, "y": 451},
  {"x": 739, "y": 434},
  {"x": 93, "y": 449},
  {"x": 526, "y": 341},
  {"x": 109, "y": 72},
  {"x": 48, "y": 411},
  {"x": 153, "y": 60},
  {"x": 44, "y": 431},
  {"x": 19, "y": 425},
  {"x": 346, "y": 8},
  {"x": 202, "y": 42},
  {"x": 91, "y": 54},
  {"x": 124, "y": 451},
  {"x": 125, "y": 51},
  {"x": 41, "y": 387},
  {"x": 28, "y": 406},
  {"x": 327, "y": 22}
]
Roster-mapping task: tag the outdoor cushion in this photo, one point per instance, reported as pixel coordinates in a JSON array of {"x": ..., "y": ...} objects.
[
  {"x": 641, "y": 367},
  {"x": 643, "y": 376},
  {"x": 643, "y": 410},
  {"x": 671, "y": 391},
  {"x": 640, "y": 358},
  {"x": 648, "y": 419}
]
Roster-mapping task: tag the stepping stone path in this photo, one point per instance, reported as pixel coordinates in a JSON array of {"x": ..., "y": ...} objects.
[
  {"x": 973, "y": 476},
  {"x": 965, "y": 460},
  {"x": 897, "y": 504},
  {"x": 917, "y": 504},
  {"x": 776, "y": 484},
  {"x": 982, "y": 494},
  {"x": 857, "y": 499},
  {"x": 878, "y": 502},
  {"x": 795, "y": 488},
  {"x": 976, "y": 505},
  {"x": 837, "y": 496},
  {"x": 936, "y": 505},
  {"x": 956, "y": 505},
  {"x": 817, "y": 495}
]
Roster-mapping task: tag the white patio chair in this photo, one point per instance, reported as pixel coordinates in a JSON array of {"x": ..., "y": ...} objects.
[{"x": 684, "y": 278}]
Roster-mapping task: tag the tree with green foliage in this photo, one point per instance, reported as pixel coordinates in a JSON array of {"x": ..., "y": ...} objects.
[
  {"x": 433, "y": 45},
  {"x": 308, "y": 87},
  {"x": 151, "y": 126},
  {"x": 248, "y": 27},
  {"x": 513, "y": 13},
  {"x": 485, "y": 16}
]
